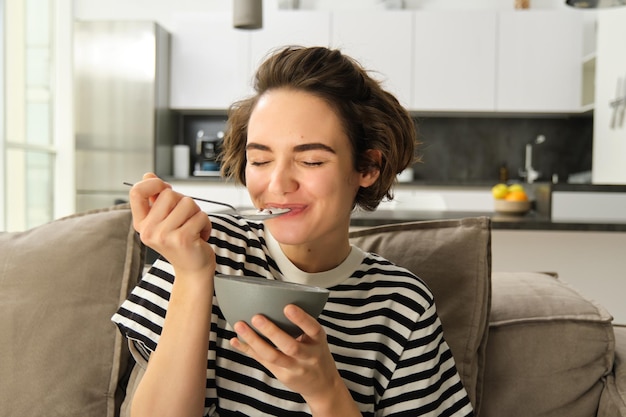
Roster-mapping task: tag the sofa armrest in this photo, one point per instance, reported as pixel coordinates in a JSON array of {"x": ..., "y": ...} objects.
[
  {"x": 549, "y": 349},
  {"x": 613, "y": 401}
]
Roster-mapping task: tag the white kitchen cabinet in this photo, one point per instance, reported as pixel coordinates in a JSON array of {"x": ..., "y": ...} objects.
[
  {"x": 382, "y": 42},
  {"x": 454, "y": 61},
  {"x": 609, "y": 126},
  {"x": 210, "y": 62},
  {"x": 526, "y": 61},
  {"x": 540, "y": 55},
  {"x": 288, "y": 27}
]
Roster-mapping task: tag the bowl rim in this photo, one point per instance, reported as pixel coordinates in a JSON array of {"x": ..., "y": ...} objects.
[{"x": 267, "y": 282}]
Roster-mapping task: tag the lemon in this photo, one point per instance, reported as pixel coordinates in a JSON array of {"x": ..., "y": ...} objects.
[{"x": 499, "y": 191}]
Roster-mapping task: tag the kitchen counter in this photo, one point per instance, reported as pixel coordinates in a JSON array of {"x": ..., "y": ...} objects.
[
  {"x": 465, "y": 201},
  {"x": 530, "y": 221}
]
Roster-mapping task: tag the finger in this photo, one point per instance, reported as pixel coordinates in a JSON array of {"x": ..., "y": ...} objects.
[
  {"x": 245, "y": 336},
  {"x": 256, "y": 346},
  {"x": 152, "y": 176},
  {"x": 196, "y": 221},
  {"x": 308, "y": 324},
  {"x": 143, "y": 194},
  {"x": 284, "y": 347},
  {"x": 205, "y": 232},
  {"x": 176, "y": 215},
  {"x": 148, "y": 175},
  {"x": 156, "y": 217}
]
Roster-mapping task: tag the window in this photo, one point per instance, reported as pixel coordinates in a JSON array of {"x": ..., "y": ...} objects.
[
  {"x": 2, "y": 140},
  {"x": 35, "y": 56}
]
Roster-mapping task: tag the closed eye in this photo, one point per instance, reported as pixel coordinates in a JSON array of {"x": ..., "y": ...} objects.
[
  {"x": 312, "y": 163},
  {"x": 258, "y": 163}
]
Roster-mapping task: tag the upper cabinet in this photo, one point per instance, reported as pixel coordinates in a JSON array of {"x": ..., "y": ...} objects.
[
  {"x": 526, "y": 61},
  {"x": 381, "y": 42},
  {"x": 514, "y": 62},
  {"x": 288, "y": 27},
  {"x": 454, "y": 64},
  {"x": 210, "y": 62},
  {"x": 540, "y": 55},
  {"x": 213, "y": 64},
  {"x": 609, "y": 117}
]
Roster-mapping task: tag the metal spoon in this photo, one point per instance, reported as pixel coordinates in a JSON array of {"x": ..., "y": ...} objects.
[{"x": 253, "y": 214}]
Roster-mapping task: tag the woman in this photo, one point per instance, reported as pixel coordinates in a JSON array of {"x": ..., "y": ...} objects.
[{"x": 320, "y": 137}]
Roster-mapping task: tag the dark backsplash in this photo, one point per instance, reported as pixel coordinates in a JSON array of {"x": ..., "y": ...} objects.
[{"x": 471, "y": 150}]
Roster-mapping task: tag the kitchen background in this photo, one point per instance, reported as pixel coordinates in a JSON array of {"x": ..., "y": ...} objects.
[
  {"x": 474, "y": 150},
  {"x": 476, "y": 135}
]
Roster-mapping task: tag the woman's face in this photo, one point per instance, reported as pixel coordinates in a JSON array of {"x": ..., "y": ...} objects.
[{"x": 298, "y": 156}]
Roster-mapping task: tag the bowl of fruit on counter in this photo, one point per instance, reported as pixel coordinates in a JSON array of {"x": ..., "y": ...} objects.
[{"x": 510, "y": 199}]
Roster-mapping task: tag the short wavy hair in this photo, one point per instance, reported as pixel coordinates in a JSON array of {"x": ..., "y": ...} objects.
[{"x": 373, "y": 118}]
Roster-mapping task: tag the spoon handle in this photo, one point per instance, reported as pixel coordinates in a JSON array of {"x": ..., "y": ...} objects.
[{"x": 200, "y": 199}]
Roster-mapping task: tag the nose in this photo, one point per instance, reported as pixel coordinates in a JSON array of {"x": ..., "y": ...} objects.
[{"x": 282, "y": 179}]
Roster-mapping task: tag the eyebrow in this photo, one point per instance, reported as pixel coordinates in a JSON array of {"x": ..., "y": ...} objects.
[{"x": 298, "y": 148}]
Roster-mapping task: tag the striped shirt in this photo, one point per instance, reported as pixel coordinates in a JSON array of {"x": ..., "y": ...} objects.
[{"x": 380, "y": 319}]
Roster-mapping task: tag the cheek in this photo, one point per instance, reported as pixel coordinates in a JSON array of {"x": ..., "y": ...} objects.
[
  {"x": 253, "y": 182},
  {"x": 336, "y": 185}
]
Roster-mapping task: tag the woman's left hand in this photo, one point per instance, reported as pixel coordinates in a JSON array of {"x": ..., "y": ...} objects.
[{"x": 304, "y": 364}]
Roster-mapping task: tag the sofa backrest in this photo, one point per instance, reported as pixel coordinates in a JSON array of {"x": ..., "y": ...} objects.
[
  {"x": 60, "y": 355},
  {"x": 453, "y": 257},
  {"x": 59, "y": 347}
]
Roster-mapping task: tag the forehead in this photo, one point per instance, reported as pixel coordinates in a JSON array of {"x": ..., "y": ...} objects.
[{"x": 294, "y": 115}]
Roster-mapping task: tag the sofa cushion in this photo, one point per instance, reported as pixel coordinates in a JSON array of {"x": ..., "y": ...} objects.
[
  {"x": 453, "y": 257},
  {"x": 549, "y": 348},
  {"x": 60, "y": 355},
  {"x": 613, "y": 400}
]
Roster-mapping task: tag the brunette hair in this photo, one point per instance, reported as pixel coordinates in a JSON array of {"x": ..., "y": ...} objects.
[{"x": 372, "y": 117}]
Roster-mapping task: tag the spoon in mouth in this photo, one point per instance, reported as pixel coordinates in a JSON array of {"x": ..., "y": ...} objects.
[{"x": 252, "y": 214}]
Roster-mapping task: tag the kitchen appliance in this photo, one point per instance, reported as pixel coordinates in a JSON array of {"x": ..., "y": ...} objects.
[
  {"x": 207, "y": 149},
  {"x": 123, "y": 125},
  {"x": 593, "y": 4}
]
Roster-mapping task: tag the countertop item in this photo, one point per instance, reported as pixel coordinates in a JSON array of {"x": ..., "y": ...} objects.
[{"x": 512, "y": 207}]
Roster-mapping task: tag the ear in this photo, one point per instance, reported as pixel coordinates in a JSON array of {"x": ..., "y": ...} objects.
[{"x": 372, "y": 173}]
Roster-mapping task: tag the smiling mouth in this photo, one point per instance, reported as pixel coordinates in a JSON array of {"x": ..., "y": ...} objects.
[{"x": 287, "y": 210}]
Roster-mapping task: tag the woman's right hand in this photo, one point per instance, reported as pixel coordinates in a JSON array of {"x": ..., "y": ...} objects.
[{"x": 172, "y": 224}]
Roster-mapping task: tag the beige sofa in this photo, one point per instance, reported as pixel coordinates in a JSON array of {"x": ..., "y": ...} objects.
[{"x": 526, "y": 344}]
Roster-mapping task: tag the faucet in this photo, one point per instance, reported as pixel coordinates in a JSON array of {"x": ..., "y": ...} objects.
[{"x": 529, "y": 172}]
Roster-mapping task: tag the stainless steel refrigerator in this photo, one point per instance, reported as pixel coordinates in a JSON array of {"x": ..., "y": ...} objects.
[{"x": 123, "y": 124}]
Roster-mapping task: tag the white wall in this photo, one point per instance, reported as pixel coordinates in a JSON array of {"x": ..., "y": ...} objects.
[{"x": 609, "y": 142}]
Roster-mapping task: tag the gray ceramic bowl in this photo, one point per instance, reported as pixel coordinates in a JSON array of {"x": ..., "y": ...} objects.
[{"x": 240, "y": 298}]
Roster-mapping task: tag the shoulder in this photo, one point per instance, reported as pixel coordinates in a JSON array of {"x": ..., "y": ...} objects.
[{"x": 378, "y": 274}]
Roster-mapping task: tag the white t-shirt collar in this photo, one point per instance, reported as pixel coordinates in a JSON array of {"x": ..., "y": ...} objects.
[{"x": 324, "y": 279}]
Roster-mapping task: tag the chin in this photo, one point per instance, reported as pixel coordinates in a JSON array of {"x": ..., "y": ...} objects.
[{"x": 288, "y": 234}]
